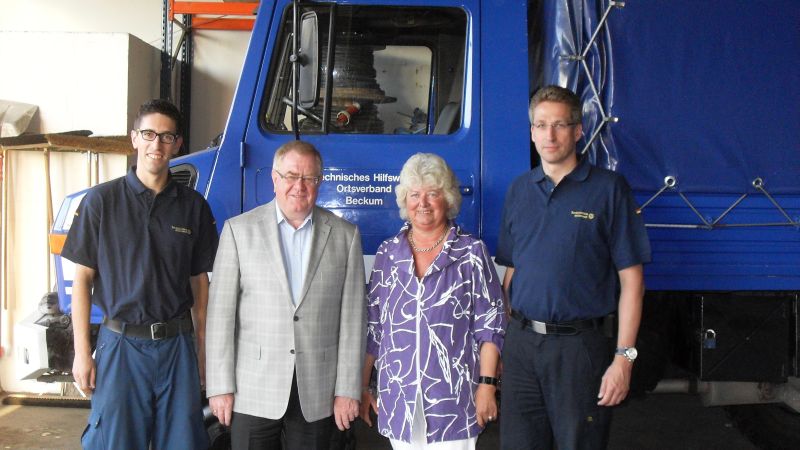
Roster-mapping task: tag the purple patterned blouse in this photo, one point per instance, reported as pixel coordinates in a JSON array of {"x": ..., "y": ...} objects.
[{"x": 426, "y": 334}]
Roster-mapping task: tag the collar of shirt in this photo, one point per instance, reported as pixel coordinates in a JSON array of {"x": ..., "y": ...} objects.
[
  {"x": 282, "y": 219},
  {"x": 402, "y": 249},
  {"x": 579, "y": 174},
  {"x": 171, "y": 189}
]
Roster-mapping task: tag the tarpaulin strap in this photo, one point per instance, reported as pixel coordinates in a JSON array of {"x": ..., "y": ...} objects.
[{"x": 670, "y": 183}]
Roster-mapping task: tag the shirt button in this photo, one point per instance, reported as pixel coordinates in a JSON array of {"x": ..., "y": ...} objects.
[
  {"x": 291, "y": 351},
  {"x": 296, "y": 318}
]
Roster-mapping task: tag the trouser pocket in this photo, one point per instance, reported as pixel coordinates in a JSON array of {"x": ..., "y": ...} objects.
[{"x": 92, "y": 437}]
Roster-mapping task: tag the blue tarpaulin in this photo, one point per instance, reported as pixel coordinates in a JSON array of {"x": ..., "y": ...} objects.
[{"x": 705, "y": 91}]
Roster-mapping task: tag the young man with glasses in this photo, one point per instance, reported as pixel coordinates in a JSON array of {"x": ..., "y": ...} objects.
[
  {"x": 142, "y": 246},
  {"x": 574, "y": 245},
  {"x": 287, "y": 316}
]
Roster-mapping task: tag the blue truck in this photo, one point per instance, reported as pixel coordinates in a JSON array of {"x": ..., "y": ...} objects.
[{"x": 696, "y": 103}]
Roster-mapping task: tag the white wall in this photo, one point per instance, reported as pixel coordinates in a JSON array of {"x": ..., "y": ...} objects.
[
  {"x": 218, "y": 54},
  {"x": 80, "y": 81},
  {"x": 218, "y": 59}
]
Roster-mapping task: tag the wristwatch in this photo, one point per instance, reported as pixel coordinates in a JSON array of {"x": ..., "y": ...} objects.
[
  {"x": 488, "y": 380},
  {"x": 628, "y": 352}
]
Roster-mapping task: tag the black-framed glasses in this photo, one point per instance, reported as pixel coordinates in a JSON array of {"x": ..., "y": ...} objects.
[
  {"x": 556, "y": 126},
  {"x": 293, "y": 179},
  {"x": 165, "y": 137}
]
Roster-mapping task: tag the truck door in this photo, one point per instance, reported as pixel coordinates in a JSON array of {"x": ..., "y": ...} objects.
[{"x": 391, "y": 81}]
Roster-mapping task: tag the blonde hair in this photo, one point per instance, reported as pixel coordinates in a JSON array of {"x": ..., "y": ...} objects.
[{"x": 429, "y": 170}]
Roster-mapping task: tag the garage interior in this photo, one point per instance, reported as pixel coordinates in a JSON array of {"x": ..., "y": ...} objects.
[{"x": 74, "y": 75}]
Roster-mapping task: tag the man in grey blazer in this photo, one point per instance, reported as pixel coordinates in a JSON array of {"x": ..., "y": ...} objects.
[{"x": 286, "y": 315}]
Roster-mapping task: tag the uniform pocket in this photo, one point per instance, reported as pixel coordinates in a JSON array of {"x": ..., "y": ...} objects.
[
  {"x": 106, "y": 340},
  {"x": 92, "y": 437}
]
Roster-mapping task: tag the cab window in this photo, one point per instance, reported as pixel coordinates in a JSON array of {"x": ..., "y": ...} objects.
[{"x": 396, "y": 70}]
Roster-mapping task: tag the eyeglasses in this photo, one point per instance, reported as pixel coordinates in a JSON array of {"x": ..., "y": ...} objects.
[
  {"x": 556, "y": 126},
  {"x": 165, "y": 137},
  {"x": 293, "y": 179}
]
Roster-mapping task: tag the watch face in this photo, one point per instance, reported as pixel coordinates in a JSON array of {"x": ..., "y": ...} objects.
[{"x": 631, "y": 353}]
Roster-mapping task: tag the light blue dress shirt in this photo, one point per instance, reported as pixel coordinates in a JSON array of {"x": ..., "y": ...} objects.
[{"x": 296, "y": 250}]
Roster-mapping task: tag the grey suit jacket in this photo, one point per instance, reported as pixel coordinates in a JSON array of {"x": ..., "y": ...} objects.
[{"x": 256, "y": 338}]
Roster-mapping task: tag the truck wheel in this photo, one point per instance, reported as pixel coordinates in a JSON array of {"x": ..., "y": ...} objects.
[{"x": 769, "y": 426}]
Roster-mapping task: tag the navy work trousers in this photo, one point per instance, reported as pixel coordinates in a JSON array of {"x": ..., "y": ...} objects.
[
  {"x": 147, "y": 395},
  {"x": 550, "y": 387}
]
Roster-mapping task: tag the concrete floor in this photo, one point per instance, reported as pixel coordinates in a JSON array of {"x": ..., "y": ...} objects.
[
  {"x": 38, "y": 427},
  {"x": 670, "y": 421}
]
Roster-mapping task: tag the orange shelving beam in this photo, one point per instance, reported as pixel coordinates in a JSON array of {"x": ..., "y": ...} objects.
[{"x": 215, "y": 9}]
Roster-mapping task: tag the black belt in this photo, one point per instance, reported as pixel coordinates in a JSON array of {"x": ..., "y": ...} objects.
[
  {"x": 155, "y": 331},
  {"x": 561, "y": 328}
]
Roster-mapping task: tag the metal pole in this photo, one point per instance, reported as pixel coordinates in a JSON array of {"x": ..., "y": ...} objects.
[
  {"x": 326, "y": 111},
  {"x": 295, "y": 70},
  {"x": 186, "y": 81},
  {"x": 49, "y": 208},
  {"x": 96, "y": 158},
  {"x": 166, "y": 48},
  {"x": 5, "y": 230},
  {"x": 88, "y": 168}
]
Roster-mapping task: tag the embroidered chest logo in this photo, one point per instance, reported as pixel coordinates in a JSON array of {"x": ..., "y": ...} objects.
[
  {"x": 582, "y": 215},
  {"x": 181, "y": 230}
]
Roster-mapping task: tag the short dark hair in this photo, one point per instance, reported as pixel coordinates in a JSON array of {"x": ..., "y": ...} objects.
[
  {"x": 302, "y": 148},
  {"x": 160, "y": 106},
  {"x": 557, "y": 94}
]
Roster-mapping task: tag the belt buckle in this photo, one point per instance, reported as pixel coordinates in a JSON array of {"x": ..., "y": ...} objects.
[
  {"x": 539, "y": 327},
  {"x": 158, "y": 331}
]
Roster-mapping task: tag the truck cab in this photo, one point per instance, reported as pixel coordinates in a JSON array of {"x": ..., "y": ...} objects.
[{"x": 376, "y": 84}]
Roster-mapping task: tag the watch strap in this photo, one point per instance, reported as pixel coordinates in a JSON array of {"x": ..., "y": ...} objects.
[
  {"x": 488, "y": 380},
  {"x": 623, "y": 351}
]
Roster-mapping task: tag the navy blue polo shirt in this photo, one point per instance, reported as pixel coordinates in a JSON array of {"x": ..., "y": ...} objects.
[
  {"x": 567, "y": 242},
  {"x": 143, "y": 247}
]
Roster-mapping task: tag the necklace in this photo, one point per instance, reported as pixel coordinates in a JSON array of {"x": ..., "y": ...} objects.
[{"x": 424, "y": 250}]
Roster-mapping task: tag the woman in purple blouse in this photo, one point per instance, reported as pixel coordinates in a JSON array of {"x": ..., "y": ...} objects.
[{"x": 435, "y": 320}]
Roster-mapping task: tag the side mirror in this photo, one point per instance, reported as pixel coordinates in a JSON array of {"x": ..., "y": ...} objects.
[{"x": 308, "y": 88}]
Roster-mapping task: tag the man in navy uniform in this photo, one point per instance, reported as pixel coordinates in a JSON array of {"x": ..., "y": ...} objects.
[
  {"x": 142, "y": 246},
  {"x": 574, "y": 245}
]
